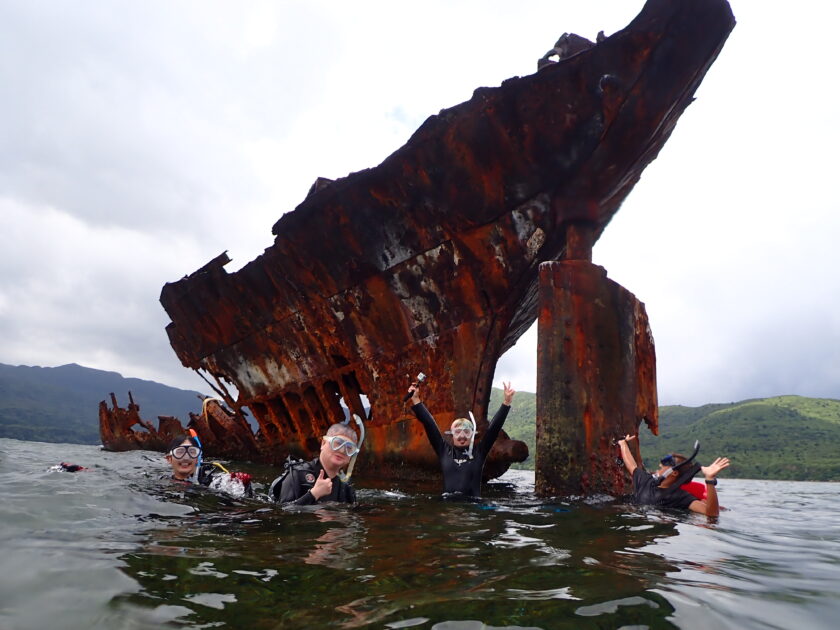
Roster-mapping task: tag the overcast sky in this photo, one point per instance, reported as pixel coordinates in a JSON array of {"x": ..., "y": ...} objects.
[{"x": 138, "y": 140}]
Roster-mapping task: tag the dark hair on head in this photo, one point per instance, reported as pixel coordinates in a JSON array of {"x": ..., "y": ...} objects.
[
  {"x": 179, "y": 439},
  {"x": 339, "y": 428}
]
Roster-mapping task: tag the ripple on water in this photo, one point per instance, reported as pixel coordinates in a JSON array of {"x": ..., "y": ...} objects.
[{"x": 116, "y": 547}]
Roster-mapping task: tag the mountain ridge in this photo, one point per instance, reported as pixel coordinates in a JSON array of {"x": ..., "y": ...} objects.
[{"x": 61, "y": 404}]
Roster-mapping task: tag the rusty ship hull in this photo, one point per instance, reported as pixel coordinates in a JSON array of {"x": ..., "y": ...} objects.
[{"x": 429, "y": 261}]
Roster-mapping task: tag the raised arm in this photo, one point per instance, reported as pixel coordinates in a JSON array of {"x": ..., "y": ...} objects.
[
  {"x": 428, "y": 422},
  {"x": 626, "y": 455},
  {"x": 710, "y": 506},
  {"x": 498, "y": 420}
]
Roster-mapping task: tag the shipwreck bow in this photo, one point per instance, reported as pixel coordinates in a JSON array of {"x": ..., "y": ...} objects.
[{"x": 429, "y": 261}]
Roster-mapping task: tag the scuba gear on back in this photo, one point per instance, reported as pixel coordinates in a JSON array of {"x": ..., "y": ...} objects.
[{"x": 274, "y": 489}]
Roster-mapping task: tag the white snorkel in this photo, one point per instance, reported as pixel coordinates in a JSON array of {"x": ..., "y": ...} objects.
[
  {"x": 345, "y": 477},
  {"x": 472, "y": 437}
]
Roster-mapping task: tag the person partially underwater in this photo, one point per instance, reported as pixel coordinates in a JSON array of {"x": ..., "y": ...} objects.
[
  {"x": 184, "y": 458},
  {"x": 325, "y": 478},
  {"x": 666, "y": 488},
  {"x": 461, "y": 460}
]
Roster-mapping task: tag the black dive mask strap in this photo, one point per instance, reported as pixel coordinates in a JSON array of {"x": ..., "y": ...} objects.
[{"x": 690, "y": 459}]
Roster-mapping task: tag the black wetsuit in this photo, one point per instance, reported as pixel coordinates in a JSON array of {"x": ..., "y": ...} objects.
[
  {"x": 461, "y": 474},
  {"x": 646, "y": 491},
  {"x": 294, "y": 486}
]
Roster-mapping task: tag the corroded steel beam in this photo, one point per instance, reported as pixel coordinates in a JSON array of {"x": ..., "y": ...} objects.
[{"x": 428, "y": 262}]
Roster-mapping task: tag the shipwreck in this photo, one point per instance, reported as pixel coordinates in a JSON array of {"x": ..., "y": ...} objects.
[{"x": 431, "y": 262}]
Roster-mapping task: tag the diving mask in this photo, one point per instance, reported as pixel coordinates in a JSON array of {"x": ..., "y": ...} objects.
[{"x": 340, "y": 443}]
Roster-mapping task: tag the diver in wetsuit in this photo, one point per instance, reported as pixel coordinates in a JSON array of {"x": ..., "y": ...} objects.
[
  {"x": 662, "y": 488},
  {"x": 318, "y": 481},
  {"x": 461, "y": 461},
  {"x": 183, "y": 457}
]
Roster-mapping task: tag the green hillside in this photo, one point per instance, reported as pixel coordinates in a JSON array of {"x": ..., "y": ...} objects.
[
  {"x": 61, "y": 404},
  {"x": 521, "y": 423},
  {"x": 786, "y": 437}
]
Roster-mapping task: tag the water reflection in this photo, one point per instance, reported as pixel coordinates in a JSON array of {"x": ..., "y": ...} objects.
[
  {"x": 107, "y": 550},
  {"x": 338, "y": 547},
  {"x": 398, "y": 557}
]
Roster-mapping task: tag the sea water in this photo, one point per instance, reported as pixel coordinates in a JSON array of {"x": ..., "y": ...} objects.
[{"x": 116, "y": 546}]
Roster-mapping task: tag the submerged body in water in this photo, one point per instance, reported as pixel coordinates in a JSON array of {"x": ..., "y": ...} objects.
[
  {"x": 117, "y": 547},
  {"x": 461, "y": 460}
]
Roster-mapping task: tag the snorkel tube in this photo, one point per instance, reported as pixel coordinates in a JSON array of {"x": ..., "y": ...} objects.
[
  {"x": 194, "y": 436},
  {"x": 472, "y": 437},
  {"x": 681, "y": 465},
  {"x": 345, "y": 477}
]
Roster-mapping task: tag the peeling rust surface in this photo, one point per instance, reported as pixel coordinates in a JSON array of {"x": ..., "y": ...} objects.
[
  {"x": 596, "y": 379},
  {"x": 118, "y": 433},
  {"x": 429, "y": 261}
]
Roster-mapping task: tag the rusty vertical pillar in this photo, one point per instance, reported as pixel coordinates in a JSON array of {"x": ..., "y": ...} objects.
[{"x": 596, "y": 375}]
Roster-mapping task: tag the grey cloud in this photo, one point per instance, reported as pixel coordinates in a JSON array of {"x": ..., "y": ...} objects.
[
  {"x": 134, "y": 137},
  {"x": 132, "y": 114}
]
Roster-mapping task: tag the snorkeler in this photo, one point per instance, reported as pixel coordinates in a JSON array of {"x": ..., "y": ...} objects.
[
  {"x": 183, "y": 457},
  {"x": 319, "y": 480},
  {"x": 66, "y": 467},
  {"x": 662, "y": 488},
  {"x": 462, "y": 460}
]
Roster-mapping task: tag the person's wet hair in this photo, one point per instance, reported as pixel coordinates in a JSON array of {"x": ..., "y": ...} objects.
[
  {"x": 461, "y": 423},
  {"x": 345, "y": 430},
  {"x": 672, "y": 459},
  {"x": 177, "y": 441}
]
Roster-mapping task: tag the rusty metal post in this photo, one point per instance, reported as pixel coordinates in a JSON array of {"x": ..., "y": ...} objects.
[{"x": 596, "y": 376}]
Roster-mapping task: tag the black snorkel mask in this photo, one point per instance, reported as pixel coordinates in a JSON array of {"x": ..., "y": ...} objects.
[{"x": 669, "y": 461}]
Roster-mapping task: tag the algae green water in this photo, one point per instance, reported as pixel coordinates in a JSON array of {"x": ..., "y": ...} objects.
[{"x": 117, "y": 547}]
